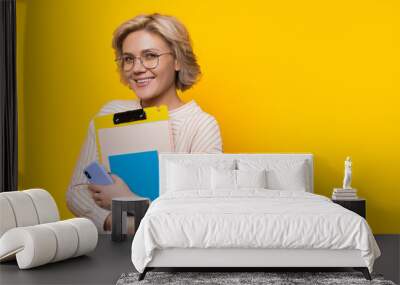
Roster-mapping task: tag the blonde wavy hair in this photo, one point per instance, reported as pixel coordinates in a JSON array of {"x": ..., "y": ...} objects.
[{"x": 175, "y": 35}]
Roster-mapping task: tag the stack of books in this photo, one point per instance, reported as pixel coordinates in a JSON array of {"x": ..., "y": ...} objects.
[{"x": 344, "y": 194}]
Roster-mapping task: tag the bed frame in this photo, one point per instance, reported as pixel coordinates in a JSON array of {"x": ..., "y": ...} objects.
[{"x": 246, "y": 259}]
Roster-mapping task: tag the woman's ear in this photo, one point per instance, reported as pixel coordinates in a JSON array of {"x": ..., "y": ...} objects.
[{"x": 177, "y": 65}]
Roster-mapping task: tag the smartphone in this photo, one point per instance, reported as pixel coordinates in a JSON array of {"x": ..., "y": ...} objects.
[{"x": 97, "y": 174}]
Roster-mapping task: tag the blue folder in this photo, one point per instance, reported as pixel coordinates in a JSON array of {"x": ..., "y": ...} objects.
[{"x": 139, "y": 170}]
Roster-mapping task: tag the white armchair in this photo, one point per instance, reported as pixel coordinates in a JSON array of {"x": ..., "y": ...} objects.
[{"x": 31, "y": 232}]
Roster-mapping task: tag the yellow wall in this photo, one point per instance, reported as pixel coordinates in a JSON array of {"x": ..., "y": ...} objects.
[{"x": 280, "y": 76}]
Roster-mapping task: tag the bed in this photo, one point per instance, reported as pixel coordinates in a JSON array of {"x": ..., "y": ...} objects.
[{"x": 247, "y": 211}]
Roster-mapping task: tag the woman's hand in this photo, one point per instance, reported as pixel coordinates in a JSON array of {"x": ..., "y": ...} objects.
[
  {"x": 107, "y": 223},
  {"x": 103, "y": 194}
]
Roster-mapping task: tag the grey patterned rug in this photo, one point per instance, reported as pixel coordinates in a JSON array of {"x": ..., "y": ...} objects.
[{"x": 269, "y": 278}]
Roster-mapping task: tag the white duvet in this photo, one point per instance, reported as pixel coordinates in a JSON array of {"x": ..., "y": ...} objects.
[{"x": 250, "y": 218}]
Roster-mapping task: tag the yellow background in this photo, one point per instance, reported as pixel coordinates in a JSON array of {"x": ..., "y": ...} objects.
[{"x": 317, "y": 77}]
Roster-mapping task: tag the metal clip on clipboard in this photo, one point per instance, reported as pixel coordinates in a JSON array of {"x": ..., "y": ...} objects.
[{"x": 129, "y": 116}]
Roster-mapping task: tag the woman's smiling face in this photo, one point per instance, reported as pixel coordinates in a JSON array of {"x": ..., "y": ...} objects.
[{"x": 159, "y": 80}]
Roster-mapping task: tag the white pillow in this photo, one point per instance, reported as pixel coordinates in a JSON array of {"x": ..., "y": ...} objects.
[
  {"x": 236, "y": 179},
  {"x": 183, "y": 178},
  {"x": 185, "y": 174},
  {"x": 251, "y": 178},
  {"x": 223, "y": 179},
  {"x": 283, "y": 174}
]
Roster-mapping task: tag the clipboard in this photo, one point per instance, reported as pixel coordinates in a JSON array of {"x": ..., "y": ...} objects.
[
  {"x": 128, "y": 144},
  {"x": 133, "y": 131}
]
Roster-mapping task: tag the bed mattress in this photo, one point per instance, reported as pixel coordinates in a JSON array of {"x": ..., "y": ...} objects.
[{"x": 251, "y": 219}]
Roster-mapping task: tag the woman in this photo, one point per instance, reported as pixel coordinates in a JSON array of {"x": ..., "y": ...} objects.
[{"x": 155, "y": 59}]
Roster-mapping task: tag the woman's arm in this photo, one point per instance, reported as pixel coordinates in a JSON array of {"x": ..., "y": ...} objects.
[
  {"x": 208, "y": 136},
  {"x": 79, "y": 199}
]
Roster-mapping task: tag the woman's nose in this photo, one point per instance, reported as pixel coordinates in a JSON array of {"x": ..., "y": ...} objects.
[{"x": 138, "y": 66}]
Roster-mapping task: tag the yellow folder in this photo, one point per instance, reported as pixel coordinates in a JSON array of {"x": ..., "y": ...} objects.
[{"x": 133, "y": 131}]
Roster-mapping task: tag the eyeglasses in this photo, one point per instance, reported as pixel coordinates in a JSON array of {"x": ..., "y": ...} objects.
[{"x": 148, "y": 60}]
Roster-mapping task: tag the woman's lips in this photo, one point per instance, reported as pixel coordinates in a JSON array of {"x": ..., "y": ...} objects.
[{"x": 143, "y": 82}]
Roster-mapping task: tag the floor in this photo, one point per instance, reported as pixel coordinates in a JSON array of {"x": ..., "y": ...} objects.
[
  {"x": 389, "y": 262},
  {"x": 110, "y": 260}
]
